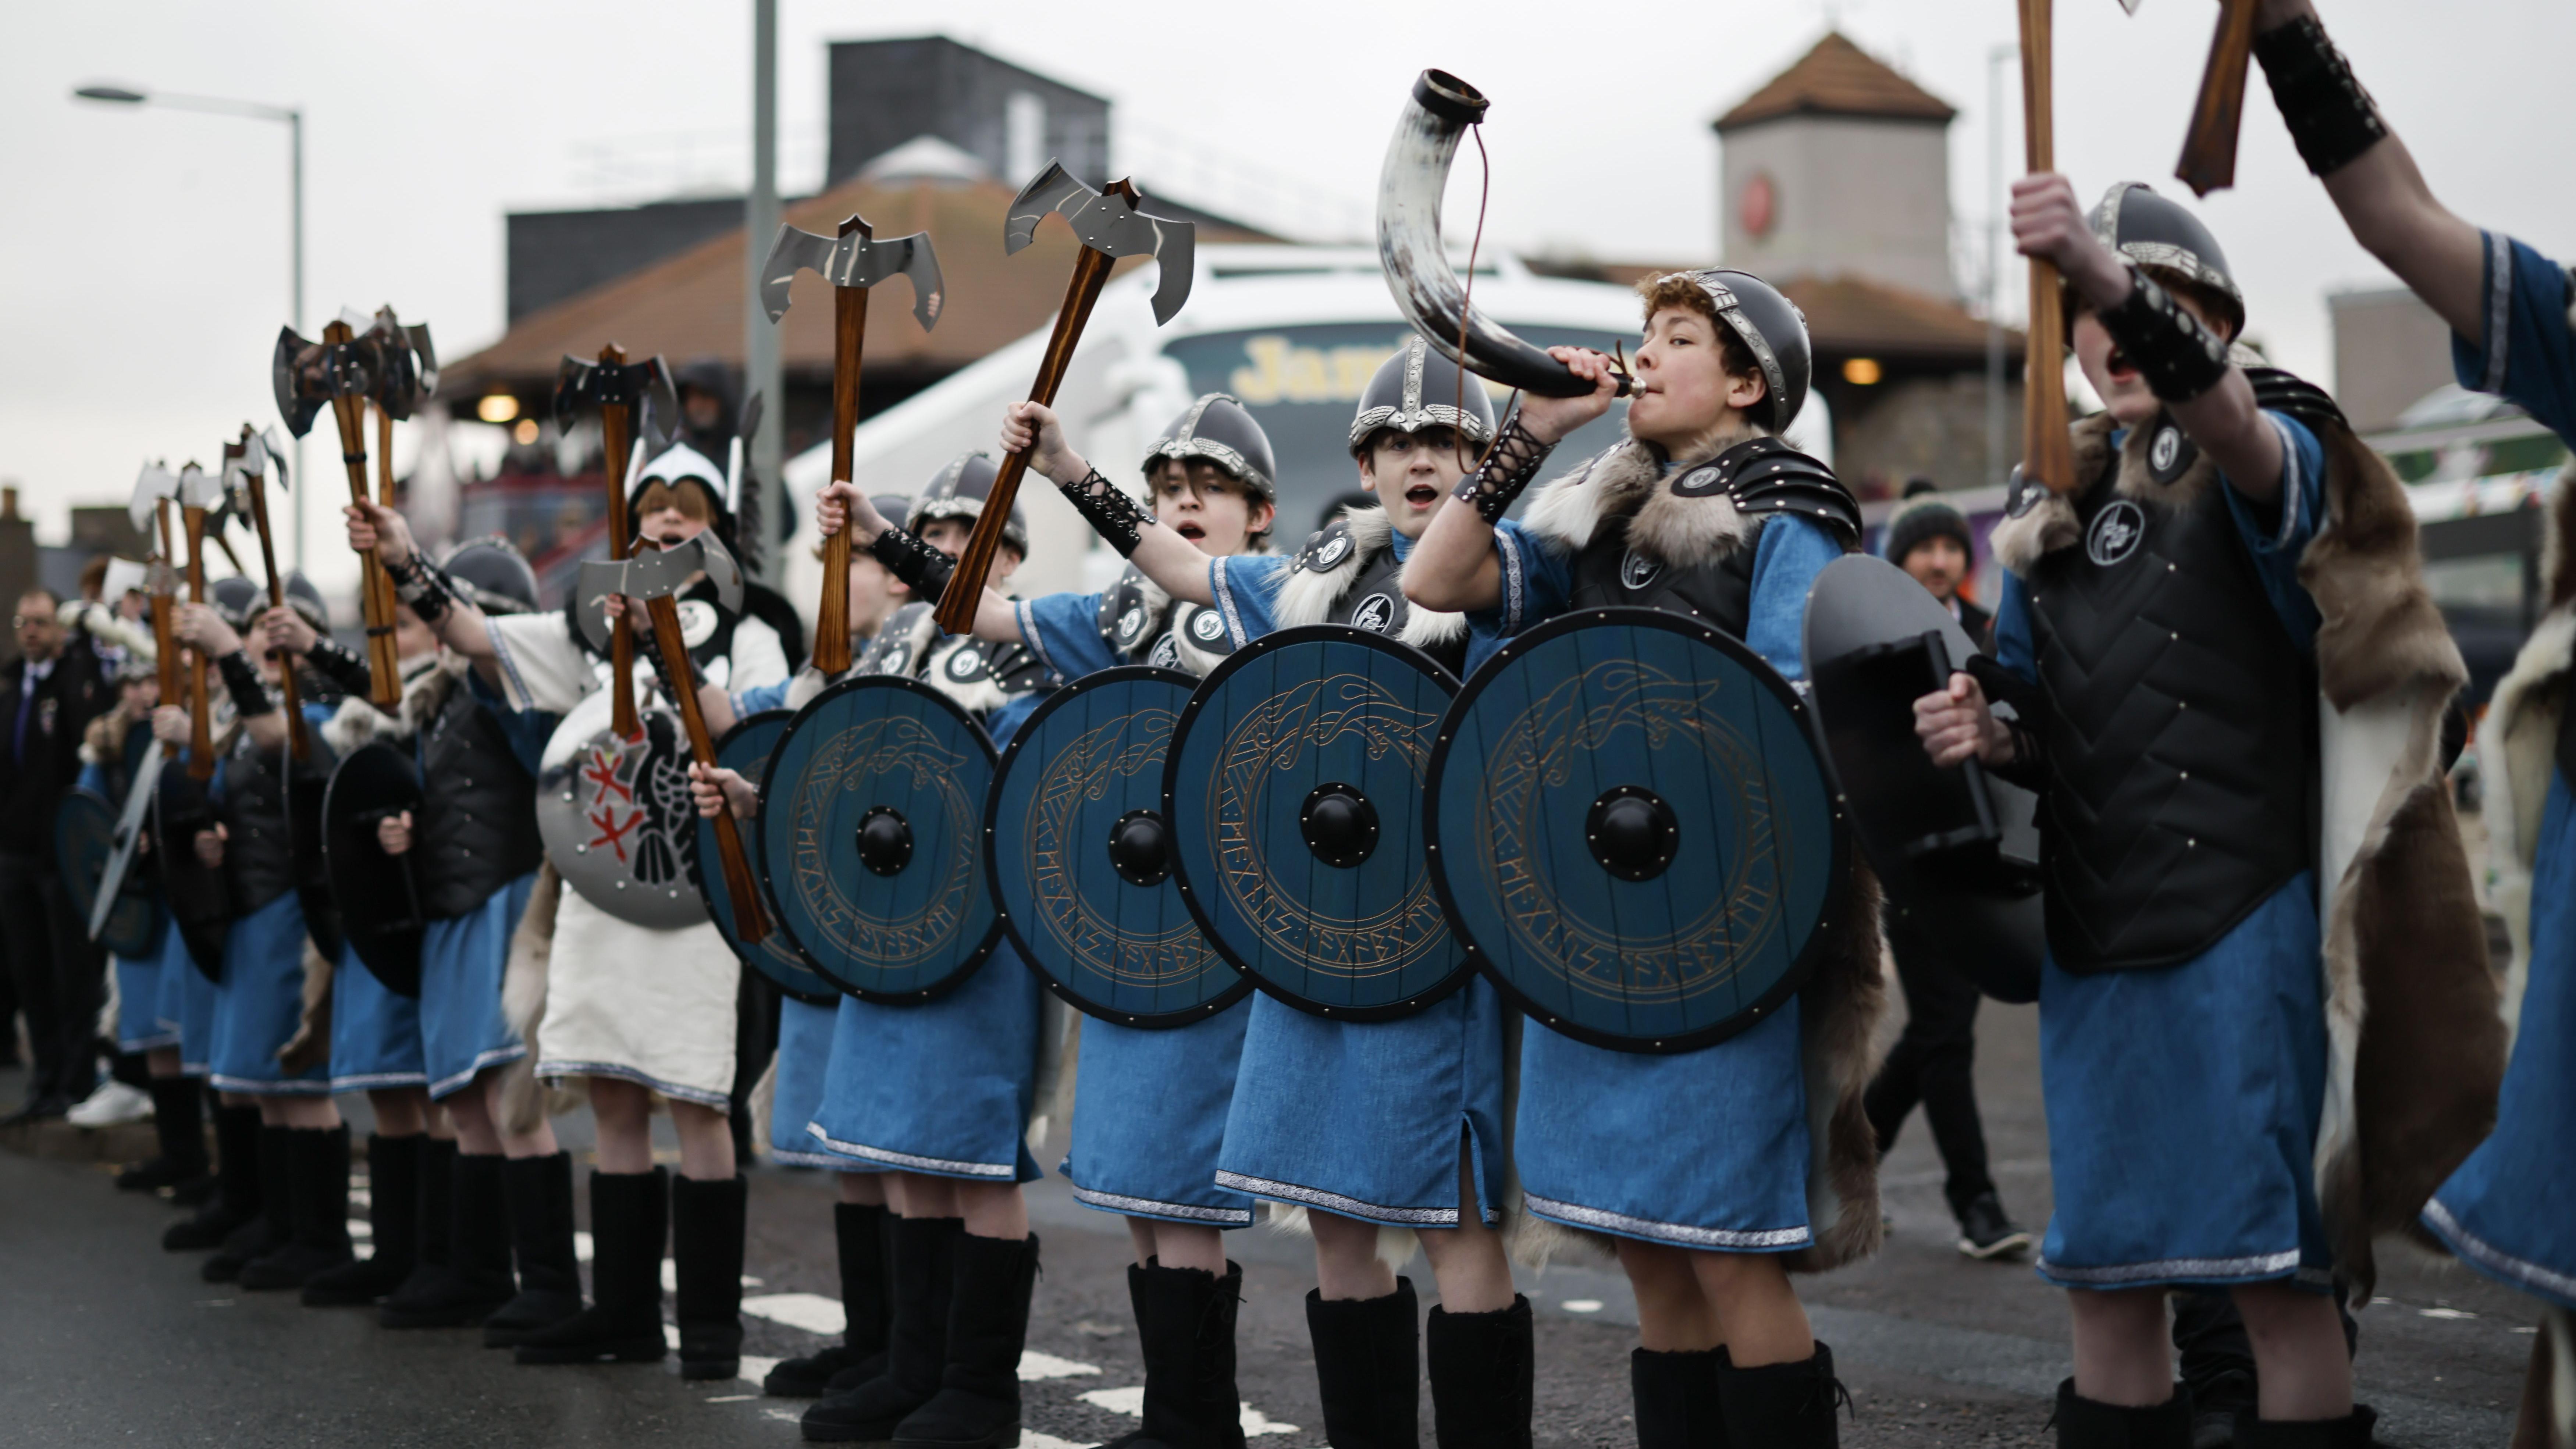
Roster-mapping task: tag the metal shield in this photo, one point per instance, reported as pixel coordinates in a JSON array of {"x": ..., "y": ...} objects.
[
  {"x": 870, "y": 826},
  {"x": 199, "y": 898},
  {"x": 616, "y": 816},
  {"x": 84, "y": 837},
  {"x": 745, "y": 750},
  {"x": 1633, "y": 832},
  {"x": 1296, "y": 789},
  {"x": 378, "y": 895},
  {"x": 1080, "y": 855},
  {"x": 1956, "y": 849}
]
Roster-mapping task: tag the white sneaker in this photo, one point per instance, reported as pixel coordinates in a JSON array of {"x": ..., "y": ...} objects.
[{"x": 113, "y": 1103}]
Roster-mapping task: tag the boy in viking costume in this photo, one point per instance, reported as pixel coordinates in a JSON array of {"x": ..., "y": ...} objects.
[
  {"x": 2513, "y": 334},
  {"x": 1701, "y": 509},
  {"x": 938, "y": 1095},
  {"x": 631, "y": 1013},
  {"x": 2228, "y": 551}
]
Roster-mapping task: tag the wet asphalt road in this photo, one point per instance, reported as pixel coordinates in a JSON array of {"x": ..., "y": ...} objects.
[{"x": 105, "y": 1340}]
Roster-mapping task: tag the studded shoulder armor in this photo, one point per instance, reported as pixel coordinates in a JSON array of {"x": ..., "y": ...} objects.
[
  {"x": 1326, "y": 550},
  {"x": 2282, "y": 392},
  {"x": 1768, "y": 476},
  {"x": 1133, "y": 614}
]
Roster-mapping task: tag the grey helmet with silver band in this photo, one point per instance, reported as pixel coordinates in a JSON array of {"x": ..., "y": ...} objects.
[
  {"x": 1772, "y": 329},
  {"x": 2169, "y": 243},
  {"x": 1417, "y": 389},
  {"x": 958, "y": 491},
  {"x": 681, "y": 463},
  {"x": 240, "y": 601},
  {"x": 1219, "y": 429},
  {"x": 492, "y": 573}
]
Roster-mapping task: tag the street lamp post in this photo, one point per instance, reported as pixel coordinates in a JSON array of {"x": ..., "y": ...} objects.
[{"x": 293, "y": 116}]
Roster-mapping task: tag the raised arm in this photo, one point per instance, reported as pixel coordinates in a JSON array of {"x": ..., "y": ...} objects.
[
  {"x": 449, "y": 614},
  {"x": 205, "y": 631},
  {"x": 1175, "y": 564},
  {"x": 1453, "y": 568},
  {"x": 2367, "y": 169},
  {"x": 922, "y": 569}
]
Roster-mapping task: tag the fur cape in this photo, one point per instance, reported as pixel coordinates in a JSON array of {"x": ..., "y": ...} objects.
[
  {"x": 2417, "y": 1044},
  {"x": 1307, "y": 595},
  {"x": 1845, "y": 999},
  {"x": 2517, "y": 742}
]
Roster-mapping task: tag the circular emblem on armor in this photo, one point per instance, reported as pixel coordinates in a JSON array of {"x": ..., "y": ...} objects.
[
  {"x": 2167, "y": 447},
  {"x": 1166, "y": 653},
  {"x": 1636, "y": 571},
  {"x": 1207, "y": 626},
  {"x": 1376, "y": 613},
  {"x": 1131, "y": 625},
  {"x": 1332, "y": 551},
  {"x": 2115, "y": 532},
  {"x": 1700, "y": 480},
  {"x": 698, "y": 622},
  {"x": 966, "y": 665}
]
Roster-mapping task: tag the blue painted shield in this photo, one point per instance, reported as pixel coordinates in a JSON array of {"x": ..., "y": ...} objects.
[
  {"x": 1295, "y": 789},
  {"x": 1080, "y": 855},
  {"x": 871, "y": 821},
  {"x": 84, "y": 837},
  {"x": 745, "y": 750},
  {"x": 1632, "y": 830}
]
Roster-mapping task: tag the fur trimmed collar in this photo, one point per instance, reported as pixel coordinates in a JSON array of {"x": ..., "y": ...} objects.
[
  {"x": 357, "y": 724},
  {"x": 1308, "y": 596},
  {"x": 1626, "y": 480}
]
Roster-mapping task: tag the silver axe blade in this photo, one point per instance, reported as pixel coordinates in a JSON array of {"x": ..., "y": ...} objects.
[
  {"x": 153, "y": 484},
  {"x": 407, "y": 367},
  {"x": 652, "y": 573},
  {"x": 306, "y": 374},
  {"x": 646, "y": 384},
  {"x": 199, "y": 489},
  {"x": 856, "y": 260},
  {"x": 125, "y": 576},
  {"x": 129, "y": 830},
  {"x": 1108, "y": 225}
]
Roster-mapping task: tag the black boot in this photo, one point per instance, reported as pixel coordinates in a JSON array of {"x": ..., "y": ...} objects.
[
  {"x": 1788, "y": 1405},
  {"x": 1480, "y": 1377},
  {"x": 539, "y": 1193},
  {"x": 1185, "y": 1316},
  {"x": 178, "y": 1122},
  {"x": 1367, "y": 1368},
  {"x": 1676, "y": 1395},
  {"x": 274, "y": 1227},
  {"x": 630, "y": 1219},
  {"x": 318, "y": 1166},
  {"x": 393, "y": 1217},
  {"x": 706, "y": 1268},
  {"x": 2084, "y": 1423},
  {"x": 2352, "y": 1431},
  {"x": 860, "y": 1230},
  {"x": 236, "y": 1199},
  {"x": 464, "y": 1274},
  {"x": 978, "y": 1403},
  {"x": 921, "y": 1259}
]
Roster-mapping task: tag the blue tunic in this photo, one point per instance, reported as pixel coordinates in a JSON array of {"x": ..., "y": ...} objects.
[
  {"x": 375, "y": 1034},
  {"x": 260, "y": 1002},
  {"x": 187, "y": 1004},
  {"x": 2183, "y": 1102},
  {"x": 462, "y": 961},
  {"x": 1623, "y": 1142},
  {"x": 140, "y": 1024},
  {"x": 796, "y": 1088},
  {"x": 2505, "y": 1212}
]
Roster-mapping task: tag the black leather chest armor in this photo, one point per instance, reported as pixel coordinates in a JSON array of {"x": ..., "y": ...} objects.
[
  {"x": 259, "y": 855},
  {"x": 2181, "y": 733},
  {"x": 1374, "y": 600},
  {"x": 478, "y": 810},
  {"x": 1720, "y": 590}
]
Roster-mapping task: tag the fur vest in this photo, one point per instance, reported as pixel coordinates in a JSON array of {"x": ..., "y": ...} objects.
[
  {"x": 2517, "y": 744},
  {"x": 2416, "y": 1042},
  {"x": 1311, "y": 594}
]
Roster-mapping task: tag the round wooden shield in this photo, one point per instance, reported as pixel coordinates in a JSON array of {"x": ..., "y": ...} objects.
[
  {"x": 616, "y": 815},
  {"x": 84, "y": 837},
  {"x": 745, "y": 750},
  {"x": 871, "y": 825},
  {"x": 1080, "y": 855},
  {"x": 1632, "y": 831},
  {"x": 1295, "y": 789},
  {"x": 378, "y": 894}
]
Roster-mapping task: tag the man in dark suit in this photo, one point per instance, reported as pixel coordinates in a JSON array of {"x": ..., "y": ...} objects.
[{"x": 47, "y": 699}]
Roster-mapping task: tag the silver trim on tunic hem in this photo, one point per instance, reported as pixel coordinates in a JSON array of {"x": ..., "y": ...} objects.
[
  {"x": 549, "y": 1070},
  {"x": 945, "y": 1166},
  {"x": 1741, "y": 1239},
  {"x": 2494, "y": 1259},
  {"x": 2251, "y": 1268},
  {"x": 450, "y": 1085},
  {"x": 1146, "y": 1207},
  {"x": 1349, "y": 1207}
]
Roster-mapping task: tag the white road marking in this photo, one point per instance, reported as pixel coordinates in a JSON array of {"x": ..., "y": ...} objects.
[
  {"x": 1032, "y": 1439},
  {"x": 790, "y": 1416},
  {"x": 754, "y": 1369},
  {"x": 811, "y": 1312},
  {"x": 2442, "y": 1313},
  {"x": 1131, "y": 1402},
  {"x": 731, "y": 1398},
  {"x": 1035, "y": 1366},
  {"x": 1581, "y": 1305},
  {"x": 581, "y": 1246},
  {"x": 362, "y": 1229}
]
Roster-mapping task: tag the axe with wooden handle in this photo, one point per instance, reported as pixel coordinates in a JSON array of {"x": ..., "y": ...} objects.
[
  {"x": 2047, "y": 452},
  {"x": 617, "y": 388},
  {"x": 1109, "y": 227},
  {"x": 197, "y": 493},
  {"x": 341, "y": 370},
  {"x": 247, "y": 464},
  {"x": 852, "y": 262},
  {"x": 2209, "y": 148},
  {"x": 154, "y": 491}
]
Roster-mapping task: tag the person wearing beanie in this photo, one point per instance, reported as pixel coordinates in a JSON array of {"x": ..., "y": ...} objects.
[{"x": 1928, "y": 538}]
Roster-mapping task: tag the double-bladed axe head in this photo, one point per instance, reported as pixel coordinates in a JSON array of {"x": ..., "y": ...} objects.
[
  {"x": 308, "y": 374},
  {"x": 647, "y": 384},
  {"x": 153, "y": 484},
  {"x": 406, "y": 364},
  {"x": 199, "y": 489},
  {"x": 854, "y": 259},
  {"x": 651, "y": 573},
  {"x": 1108, "y": 224}
]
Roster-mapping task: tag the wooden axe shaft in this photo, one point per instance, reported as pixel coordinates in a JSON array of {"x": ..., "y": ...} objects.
[
  {"x": 2047, "y": 452},
  {"x": 849, "y": 343},
  {"x": 750, "y": 922},
  {"x": 163, "y": 606},
  {"x": 375, "y": 586},
  {"x": 613, "y": 429},
  {"x": 201, "y": 725},
  {"x": 965, "y": 588},
  {"x": 2209, "y": 149},
  {"x": 298, "y": 743}
]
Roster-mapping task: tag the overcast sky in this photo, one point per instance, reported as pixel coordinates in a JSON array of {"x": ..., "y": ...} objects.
[{"x": 145, "y": 250}]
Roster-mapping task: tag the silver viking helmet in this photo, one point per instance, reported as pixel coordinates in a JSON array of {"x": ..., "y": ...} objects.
[
  {"x": 1221, "y": 430},
  {"x": 958, "y": 491},
  {"x": 1772, "y": 329},
  {"x": 681, "y": 462},
  {"x": 1418, "y": 389},
  {"x": 494, "y": 574},
  {"x": 241, "y": 601},
  {"x": 2169, "y": 243}
]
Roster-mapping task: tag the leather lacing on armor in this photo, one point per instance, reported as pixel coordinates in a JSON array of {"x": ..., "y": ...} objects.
[
  {"x": 1506, "y": 469},
  {"x": 1112, "y": 513}
]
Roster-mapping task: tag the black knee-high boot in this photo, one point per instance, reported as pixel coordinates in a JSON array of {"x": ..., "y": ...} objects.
[
  {"x": 859, "y": 1230},
  {"x": 539, "y": 1195},
  {"x": 1368, "y": 1368},
  {"x": 318, "y": 1169},
  {"x": 1186, "y": 1318},
  {"x": 978, "y": 1403},
  {"x": 468, "y": 1275},
  {"x": 1676, "y": 1397},
  {"x": 706, "y": 1269},
  {"x": 1791, "y": 1405},
  {"x": 236, "y": 1199},
  {"x": 1480, "y": 1369},
  {"x": 394, "y": 1220},
  {"x": 921, "y": 1276},
  {"x": 274, "y": 1225},
  {"x": 630, "y": 1220},
  {"x": 179, "y": 1125},
  {"x": 2084, "y": 1423},
  {"x": 2352, "y": 1431}
]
